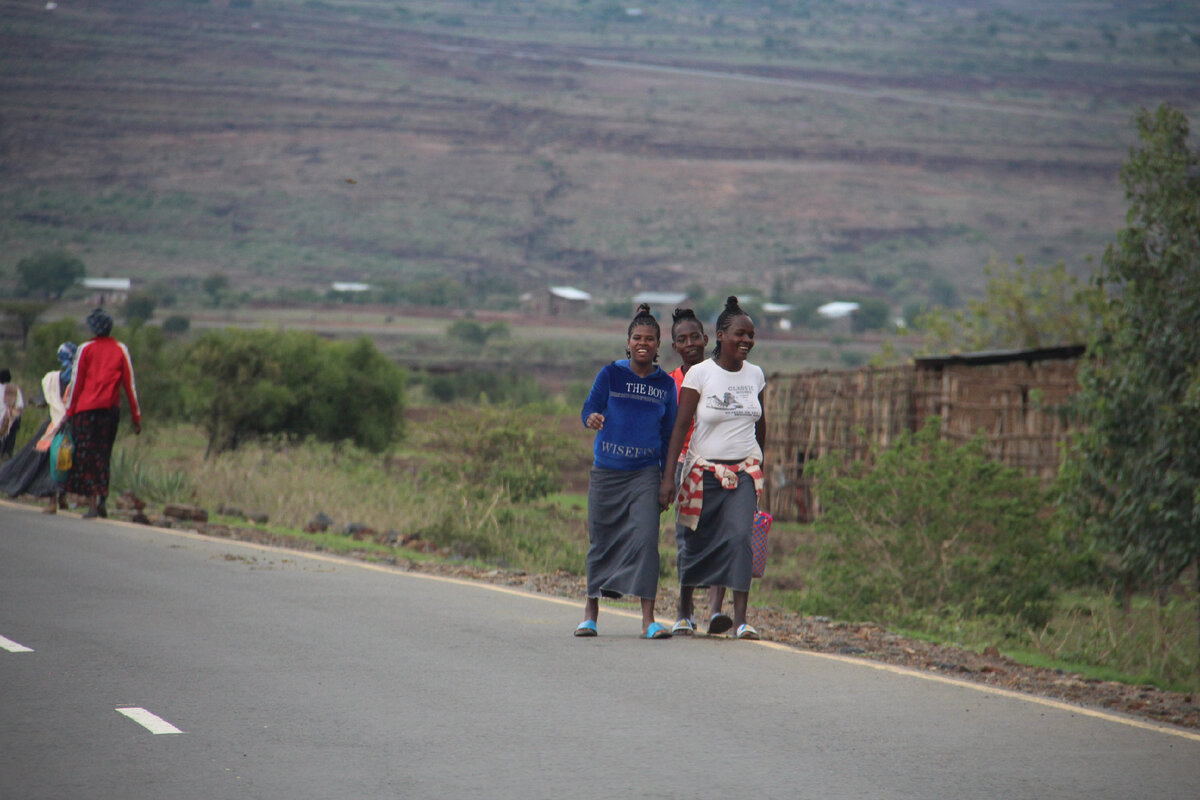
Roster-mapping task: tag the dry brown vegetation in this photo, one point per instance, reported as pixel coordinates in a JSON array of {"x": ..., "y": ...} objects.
[{"x": 877, "y": 152}]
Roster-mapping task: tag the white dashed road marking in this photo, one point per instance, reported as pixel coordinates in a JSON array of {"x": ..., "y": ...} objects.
[
  {"x": 150, "y": 722},
  {"x": 13, "y": 647}
]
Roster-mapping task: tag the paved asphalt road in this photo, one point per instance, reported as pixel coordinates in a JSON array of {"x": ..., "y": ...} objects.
[{"x": 292, "y": 676}]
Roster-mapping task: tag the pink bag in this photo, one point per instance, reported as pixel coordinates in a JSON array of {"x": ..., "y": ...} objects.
[{"x": 758, "y": 542}]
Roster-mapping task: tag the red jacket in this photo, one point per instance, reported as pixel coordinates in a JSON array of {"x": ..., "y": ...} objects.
[{"x": 102, "y": 367}]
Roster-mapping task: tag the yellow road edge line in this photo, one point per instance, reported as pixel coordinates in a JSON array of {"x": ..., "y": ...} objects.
[{"x": 779, "y": 646}]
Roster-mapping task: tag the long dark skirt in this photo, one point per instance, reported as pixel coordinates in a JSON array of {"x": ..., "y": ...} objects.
[
  {"x": 94, "y": 433},
  {"x": 718, "y": 552},
  {"x": 623, "y": 531},
  {"x": 29, "y": 471}
]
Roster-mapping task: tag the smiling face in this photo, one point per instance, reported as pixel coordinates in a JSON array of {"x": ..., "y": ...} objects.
[
  {"x": 737, "y": 340},
  {"x": 689, "y": 341},
  {"x": 643, "y": 346}
]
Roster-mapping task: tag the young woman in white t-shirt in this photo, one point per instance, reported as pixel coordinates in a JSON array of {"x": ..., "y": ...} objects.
[{"x": 722, "y": 474}]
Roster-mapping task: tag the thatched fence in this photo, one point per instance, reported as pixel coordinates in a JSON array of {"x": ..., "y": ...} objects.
[{"x": 1014, "y": 399}]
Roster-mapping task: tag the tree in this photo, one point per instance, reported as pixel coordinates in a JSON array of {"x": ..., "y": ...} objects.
[
  {"x": 873, "y": 315},
  {"x": 176, "y": 324},
  {"x": 26, "y": 313},
  {"x": 139, "y": 307},
  {"x": 1133, "y": 475},
  {"x": 48, "y": 273},
  {"x": 215, "y": 285},
  {"x": 1023, "y": 307}
]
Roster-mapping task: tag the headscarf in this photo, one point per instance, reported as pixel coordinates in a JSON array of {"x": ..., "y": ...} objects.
[
  {"x": 100, "y": 322},
  {"x": 66, "y": 357}
]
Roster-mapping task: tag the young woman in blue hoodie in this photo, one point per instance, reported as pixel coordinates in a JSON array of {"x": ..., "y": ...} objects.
[{"x": 632, "y": 409}]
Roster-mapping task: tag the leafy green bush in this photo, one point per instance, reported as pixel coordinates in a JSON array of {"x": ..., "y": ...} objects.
[
  {"x": 926, "y": 529},
  {"x": 251, "y": 384}
]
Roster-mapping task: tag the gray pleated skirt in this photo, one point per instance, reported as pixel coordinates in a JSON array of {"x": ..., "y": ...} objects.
[
  {"x": 718, "y": 552},
  {"x": 623, "y": 531}
]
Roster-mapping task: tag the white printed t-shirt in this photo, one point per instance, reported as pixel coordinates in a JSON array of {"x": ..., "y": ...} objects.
[{"x": 727, "y": 412}]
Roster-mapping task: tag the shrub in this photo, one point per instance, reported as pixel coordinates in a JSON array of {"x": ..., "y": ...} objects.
[
  {"x": 928, "y": 527},
  {"x": 503, "y": 446},
  {"x": 252, "y": 384}
]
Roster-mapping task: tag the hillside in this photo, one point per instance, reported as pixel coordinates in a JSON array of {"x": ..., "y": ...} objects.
[{"x": 461, "y": 153}]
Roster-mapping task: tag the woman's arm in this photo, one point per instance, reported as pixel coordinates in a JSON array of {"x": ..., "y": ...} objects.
[
  {"x": 760, "y": 427},
  {"x": 689, "y": 401},
  {"x": 666, "y": 426},
  {"x": 596, "y": 403}
]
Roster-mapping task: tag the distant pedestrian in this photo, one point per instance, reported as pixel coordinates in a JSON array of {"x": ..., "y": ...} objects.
[
  {"x": 102, "y": 369},
  {"x": 29, "y": 471},
  {"x": 632, "y": 409},
  {"x": 12, "y": 404},
  {"x": 722, "y": 475}
]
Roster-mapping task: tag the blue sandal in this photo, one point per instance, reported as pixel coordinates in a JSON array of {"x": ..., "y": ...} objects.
[
  {"x": 587, "y": 628},
  {"x": 656, "y": 631}
]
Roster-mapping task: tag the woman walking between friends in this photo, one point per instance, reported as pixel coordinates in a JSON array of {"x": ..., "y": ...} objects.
[
  {"x": 632, "y": 409},
  {"x": 689, "y": 340},
  {"x": 722, "y": 474}
]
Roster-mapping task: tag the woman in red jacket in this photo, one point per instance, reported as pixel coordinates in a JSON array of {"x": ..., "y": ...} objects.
[{"x": 102, "y": 369}]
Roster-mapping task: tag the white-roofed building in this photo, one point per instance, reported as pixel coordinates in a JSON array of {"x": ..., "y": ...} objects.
[
  {"x": 557, "y": 301},
  {"x": 661, "y": 303},
  {"x": 777, "y": 315},
  {"x": 841, "y": 314},
  {"x": 107, "y": 291},
  {"x": 342, "y": 286},
  {"x": 838, "y": 309}
]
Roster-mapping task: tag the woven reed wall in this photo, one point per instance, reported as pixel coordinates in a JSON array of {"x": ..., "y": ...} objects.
[{"x": 1014, "y": 405}]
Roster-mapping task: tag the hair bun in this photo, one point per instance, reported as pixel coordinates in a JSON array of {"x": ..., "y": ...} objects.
[
  {"x": 644, "y": 308},
  {"x": 731, "y": 301}
]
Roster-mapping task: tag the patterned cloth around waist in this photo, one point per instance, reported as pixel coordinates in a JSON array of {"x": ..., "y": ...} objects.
[{"x": 691, "y": 488}]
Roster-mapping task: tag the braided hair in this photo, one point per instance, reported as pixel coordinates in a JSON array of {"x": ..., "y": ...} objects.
[
  {"x": 681, "y": 315},
  {"x": 643, "y": 317},
  {"x": 726, "y": 317}
]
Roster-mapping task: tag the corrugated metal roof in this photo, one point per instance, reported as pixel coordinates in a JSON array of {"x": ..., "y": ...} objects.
[
  {"x": 108, "y": 284},
  {"x": 837, "y": 309},
  {"x": 1003, "y": 356},
  {"x": 569, "y": 293}
]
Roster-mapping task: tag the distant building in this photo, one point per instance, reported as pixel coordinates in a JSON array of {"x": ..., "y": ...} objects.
[
  {"x": 838, "y": 309},
  {"x": 661, "y": 303},
  {"x": 841, "y": 314},
  {"x": 557, "y": 301},
  {"x": 339, "y": 286},
  {"x": 107, "y": 291},
  {"x": 775, "y": 315}
]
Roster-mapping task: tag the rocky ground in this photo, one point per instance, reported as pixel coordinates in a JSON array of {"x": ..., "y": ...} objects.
[{"x": 822, "y": 635}]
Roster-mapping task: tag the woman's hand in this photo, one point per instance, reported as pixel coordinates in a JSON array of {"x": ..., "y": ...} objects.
[
  {"x": 595, "y": 421},
  {"x": 666, "y": 492}
]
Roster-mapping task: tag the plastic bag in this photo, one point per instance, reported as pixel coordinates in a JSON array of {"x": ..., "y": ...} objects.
[{"x": 62, "y": 455}]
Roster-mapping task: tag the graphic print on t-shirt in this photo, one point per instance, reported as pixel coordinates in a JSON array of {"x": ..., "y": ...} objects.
[
  {"x": 726, "y": 403},
  {"x": 734, "y": 402}
]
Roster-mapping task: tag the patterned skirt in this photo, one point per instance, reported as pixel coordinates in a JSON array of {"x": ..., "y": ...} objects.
[{"x": 94, "y": 433}]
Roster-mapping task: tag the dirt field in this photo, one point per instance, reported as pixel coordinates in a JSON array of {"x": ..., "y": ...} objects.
[{"x": 294, "y": 144}]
